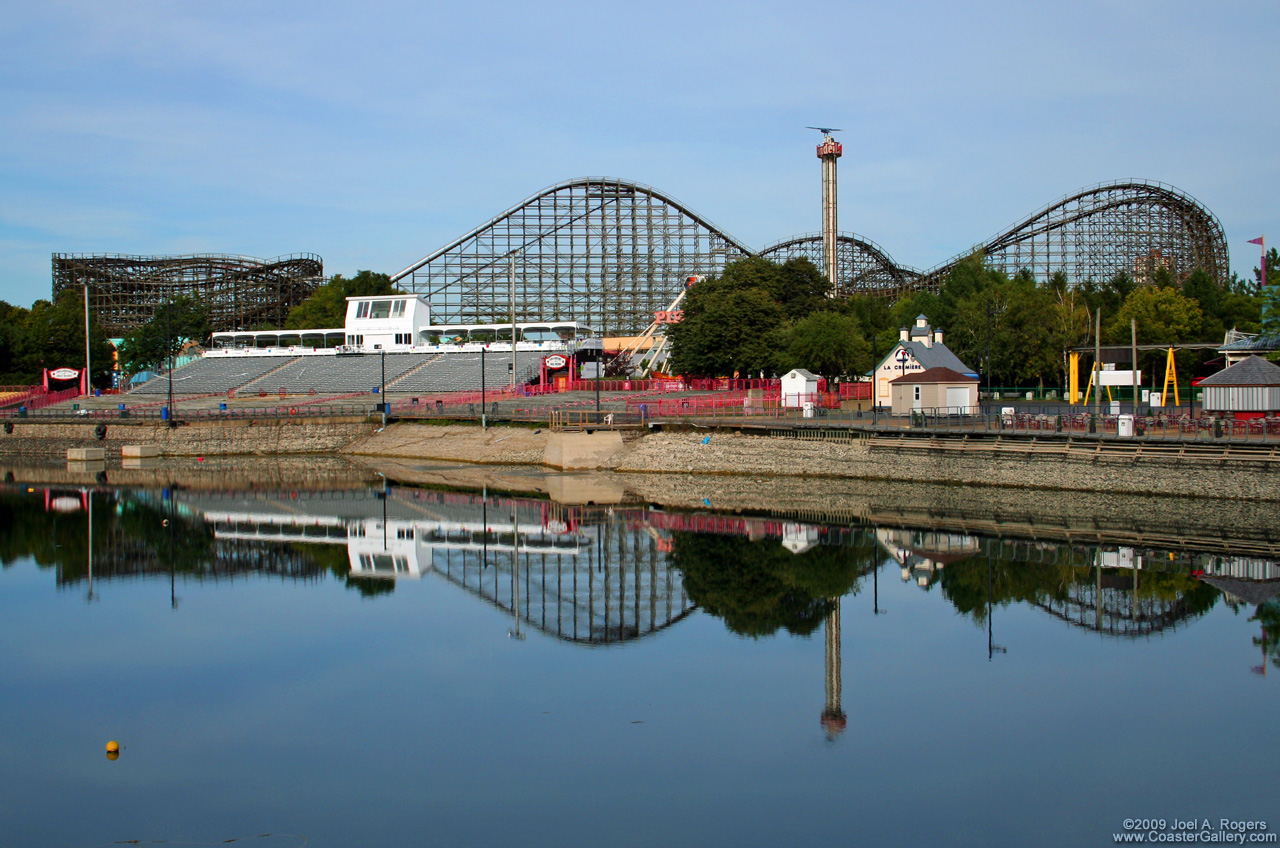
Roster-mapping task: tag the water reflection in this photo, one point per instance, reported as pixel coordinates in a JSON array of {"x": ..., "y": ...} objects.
[
  {"x": 600, "y": 576},
  {"x": 652, "y": 636}
]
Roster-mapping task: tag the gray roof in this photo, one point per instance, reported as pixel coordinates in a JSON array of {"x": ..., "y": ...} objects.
[
  {"x": 1260, "y": 342},
  {"x": 1255, "y": 592},
  {"x": 938, "y": 356},
  {"x": 1254, "y": 371}
]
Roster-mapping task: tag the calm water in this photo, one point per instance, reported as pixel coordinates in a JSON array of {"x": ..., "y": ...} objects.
[{"x": 414, "y": 667}]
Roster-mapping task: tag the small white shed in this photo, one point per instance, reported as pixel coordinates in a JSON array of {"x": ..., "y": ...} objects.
[{"x": 799, "y": 387}]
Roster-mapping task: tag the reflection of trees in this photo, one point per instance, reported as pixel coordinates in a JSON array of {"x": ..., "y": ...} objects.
[
  {"x": 759, "y": 587},
  {"x": 1121, "y": 601},
  {"x": 131, "y": 538},
  {"x": 1268, "y": 615},
  {"x": 335, "y": 560}
]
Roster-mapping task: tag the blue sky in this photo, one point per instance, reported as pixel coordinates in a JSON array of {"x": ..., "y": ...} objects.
[{"x": 372, "y": 133}]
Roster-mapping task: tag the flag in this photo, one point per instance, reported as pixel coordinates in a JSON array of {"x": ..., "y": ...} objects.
[{"x": 1257, "y": 241}]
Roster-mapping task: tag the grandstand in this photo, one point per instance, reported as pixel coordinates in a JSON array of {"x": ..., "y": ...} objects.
[
  {"x": 407, "y": 373},
  {"x": 214, "y": 375},
  {"x": 338, "y": 374},
  {"x": 460, "y": 372}
]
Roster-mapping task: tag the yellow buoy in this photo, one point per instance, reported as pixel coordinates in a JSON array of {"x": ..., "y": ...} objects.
[{"x": 113, "y": 747}]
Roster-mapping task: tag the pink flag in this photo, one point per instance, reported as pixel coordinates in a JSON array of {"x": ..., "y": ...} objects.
[{"x": 1258, "y": 240}]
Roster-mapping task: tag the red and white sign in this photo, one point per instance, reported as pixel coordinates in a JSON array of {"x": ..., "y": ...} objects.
[
  {"x": 64, "y": 374},
  {"x": 673, "y": 316},
  {"x": 555, "y": 362}
]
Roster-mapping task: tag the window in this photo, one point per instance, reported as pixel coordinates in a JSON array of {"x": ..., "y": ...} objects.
[
  {"x": 915, "y": 393},
  {"x": 397, "y": 309},
  {"x": 380, "y": 309},
  {"x": 362, "y": 309},
  {"x": 537, "y": 334}
]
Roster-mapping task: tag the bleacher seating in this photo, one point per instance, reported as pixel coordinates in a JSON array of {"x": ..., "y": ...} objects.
[
  {"x": 213, "y": 374},
  {"x": 338, "y": 374},
  {"x": 460, "y": 372},
  {"x": 407, "y": 373}
]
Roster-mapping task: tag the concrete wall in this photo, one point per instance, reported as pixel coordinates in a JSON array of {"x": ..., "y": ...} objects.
[
  {"x": 209, "y": 438},
  {"x": 582, "y": 450},
  {"x": 873, "y": 459}
]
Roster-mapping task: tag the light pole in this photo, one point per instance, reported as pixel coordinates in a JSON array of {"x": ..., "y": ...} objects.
[
  {"x": 988, "y": 368},
  {"x": 382, "y": 392},
  {"x": 484, "y": 423},
  {"x": 168, "y": 343}
]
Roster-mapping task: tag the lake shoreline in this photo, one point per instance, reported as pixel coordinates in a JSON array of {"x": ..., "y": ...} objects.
[{"x": 1024, "y": 464}]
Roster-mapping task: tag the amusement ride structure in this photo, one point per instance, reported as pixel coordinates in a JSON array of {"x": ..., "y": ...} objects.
[{"x": 611, "y": 253}]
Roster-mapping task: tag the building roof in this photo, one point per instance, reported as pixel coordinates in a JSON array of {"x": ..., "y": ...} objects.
[
  {"x": 801, "y": 373},
  {"x": 1258, "y": 342},
  {"x": 1250, "y": 591},
  {"x": 1254, "y": 371},
  {"x": 938, "y": 356},
  {"x": 935, "y": 375}
]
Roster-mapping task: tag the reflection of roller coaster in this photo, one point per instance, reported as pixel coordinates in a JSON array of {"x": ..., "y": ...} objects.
[
  {"x": 241, "y": 292},
  {"x": 1111, "y": 607},
  {"x": 610, "y": 253}
]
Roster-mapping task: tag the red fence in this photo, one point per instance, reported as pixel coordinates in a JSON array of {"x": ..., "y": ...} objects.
[{"x": 41, "y": 401}]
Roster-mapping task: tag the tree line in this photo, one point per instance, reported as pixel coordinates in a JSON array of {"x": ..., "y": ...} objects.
[
  {"x": 762, "y": 317},
  {"x": 51, "y": 333}
]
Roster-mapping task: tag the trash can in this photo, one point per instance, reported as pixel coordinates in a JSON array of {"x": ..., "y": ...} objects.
[
  {"x": 807, "y": 408},
  {"x": 22, "y": 412},
  {"x": 1124, "y": 426},
  {"x": 222, "y": 407},
  {"x": 164, "y": 413}
]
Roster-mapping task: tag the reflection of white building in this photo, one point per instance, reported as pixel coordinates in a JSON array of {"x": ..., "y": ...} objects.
[
  {"x": 922, "y": 554},
  {"x": 799, "y": 538},
  {"x": 397, "y": 547},
  {"x": 596, "y": 583}
]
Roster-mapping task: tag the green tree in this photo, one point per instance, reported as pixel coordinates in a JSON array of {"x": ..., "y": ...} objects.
[
  {"x": 725, "y": 331},
  {"x": 1273, "y": 270},
  {"x": 174, "y": 323},
  {"x": 327, "y": 306},
  {"x": 12, "y": 319},
  {"x": 761, "y": 587},
  {"x": 1223, "y": 308},
  {"x": 52, "y": 336},
  {"x": 827, "y": 343},
  {"x": 1164, "y": 316}
]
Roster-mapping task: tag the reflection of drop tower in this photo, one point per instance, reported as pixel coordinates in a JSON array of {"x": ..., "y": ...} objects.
[
  {"x": 833, "y": 718},
  {"x": 829, "y": 151}
]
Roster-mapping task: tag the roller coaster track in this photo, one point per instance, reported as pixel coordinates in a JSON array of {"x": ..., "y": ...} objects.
[{"x": 610, "y": 252}]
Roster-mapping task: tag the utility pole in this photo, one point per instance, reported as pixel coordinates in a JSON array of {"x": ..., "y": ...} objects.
[
  {"x": 382, "y": 392},
  {"x": 168, "y": 337},
  {"x": 484, "y": 423},
  {"x": 988, "y": 368},
  {"x": 1133, "y": 352},
  {"x": 511, "y": 273},
  {"x": 1097, "y": 361}
]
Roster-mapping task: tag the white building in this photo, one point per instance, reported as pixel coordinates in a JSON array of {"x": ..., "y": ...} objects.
[{"x": 918, "y": 349}]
